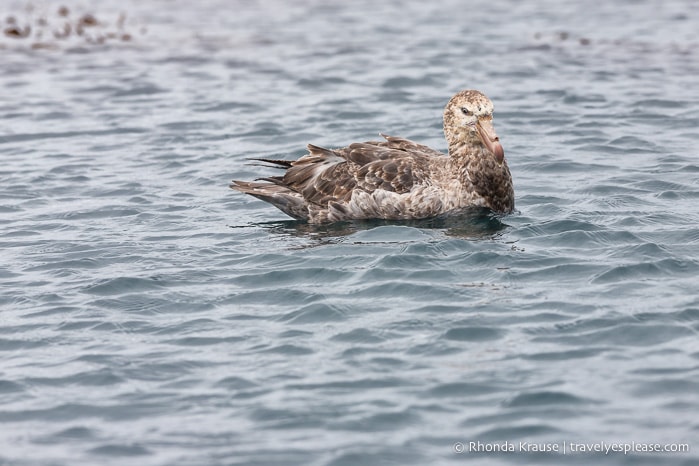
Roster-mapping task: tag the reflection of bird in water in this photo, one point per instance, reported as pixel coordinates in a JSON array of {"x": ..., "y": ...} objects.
[
  {"x": 470, "y": 224},
  {"x": 397, "y": 179}
]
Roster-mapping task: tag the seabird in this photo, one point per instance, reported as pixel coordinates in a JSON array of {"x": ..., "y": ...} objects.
[{"x": 397, "y": 179}]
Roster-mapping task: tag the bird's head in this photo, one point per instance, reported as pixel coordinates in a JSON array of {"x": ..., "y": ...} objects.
[{"x": 468, "y": 117}]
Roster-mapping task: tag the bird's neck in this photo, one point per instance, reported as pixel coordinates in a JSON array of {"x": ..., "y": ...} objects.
[
  {"x": 463, "y": 144},
  {"x": 476, "y": 168}
]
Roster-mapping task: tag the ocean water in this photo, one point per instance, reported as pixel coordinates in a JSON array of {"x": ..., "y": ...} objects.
[{"x": 149, "y": 315}]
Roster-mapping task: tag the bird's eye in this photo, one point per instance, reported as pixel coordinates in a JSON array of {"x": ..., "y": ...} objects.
[{"x": 465, "y": 111}]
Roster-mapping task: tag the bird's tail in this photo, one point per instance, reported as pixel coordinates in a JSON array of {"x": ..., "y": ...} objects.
[{"x": 288, "y": 201}]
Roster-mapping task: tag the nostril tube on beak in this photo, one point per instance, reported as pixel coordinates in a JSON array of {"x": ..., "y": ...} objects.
[{"x": 491, "y": 140}]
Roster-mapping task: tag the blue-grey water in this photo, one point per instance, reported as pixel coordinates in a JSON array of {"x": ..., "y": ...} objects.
[{"x": 149, "y": 315}]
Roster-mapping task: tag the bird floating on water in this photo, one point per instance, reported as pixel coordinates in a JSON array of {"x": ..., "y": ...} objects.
[{"x": 397, "y": 179}]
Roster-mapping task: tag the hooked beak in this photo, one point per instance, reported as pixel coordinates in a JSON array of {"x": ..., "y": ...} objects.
[{"x": 490, "y": 139}]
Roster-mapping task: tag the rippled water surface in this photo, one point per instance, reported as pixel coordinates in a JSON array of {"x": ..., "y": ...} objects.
[{"x": 150, "y": 315}]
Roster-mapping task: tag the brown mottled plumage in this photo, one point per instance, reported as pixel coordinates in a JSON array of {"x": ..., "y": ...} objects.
[{"x": 397, "y": 178}]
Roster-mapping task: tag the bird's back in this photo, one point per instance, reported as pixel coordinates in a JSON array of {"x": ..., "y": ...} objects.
[{"x": 373, "y": 179}]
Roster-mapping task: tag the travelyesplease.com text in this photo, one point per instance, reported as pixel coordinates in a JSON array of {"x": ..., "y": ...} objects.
[{"x": 569, "y": 447}]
